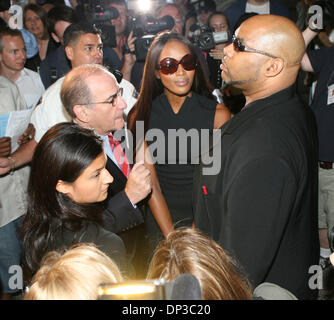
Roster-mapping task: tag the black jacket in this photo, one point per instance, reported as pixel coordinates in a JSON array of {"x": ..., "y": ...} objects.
[
  {"x": 262, "y": 205},
  {"x": 120, "y": 215}
]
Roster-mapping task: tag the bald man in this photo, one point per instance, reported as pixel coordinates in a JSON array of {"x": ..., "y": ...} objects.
[{"x": 262, "y": 205}]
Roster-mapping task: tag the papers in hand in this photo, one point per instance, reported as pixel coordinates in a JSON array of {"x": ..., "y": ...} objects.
[{"x": 14, "y": 124}]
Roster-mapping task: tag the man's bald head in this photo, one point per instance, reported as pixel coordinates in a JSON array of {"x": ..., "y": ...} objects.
[
  {"x": 270, "y": 61},
  {"x": 75, "y": 89},
  {"x": 276, "y": 35}
]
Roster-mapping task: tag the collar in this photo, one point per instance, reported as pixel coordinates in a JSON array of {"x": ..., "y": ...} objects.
[{"x": 258, "y": 106}]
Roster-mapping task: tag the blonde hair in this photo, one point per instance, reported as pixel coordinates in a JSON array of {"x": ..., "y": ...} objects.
[
  {"x": 189, "y": 251},
  {"x": 74, "y": 275}
]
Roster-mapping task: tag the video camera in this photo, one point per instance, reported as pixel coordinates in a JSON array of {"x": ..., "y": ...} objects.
[
  {"x": 145, "y": 28},
  {"x": 205, "y": 38},
  {"x": 100, "y": 17}
]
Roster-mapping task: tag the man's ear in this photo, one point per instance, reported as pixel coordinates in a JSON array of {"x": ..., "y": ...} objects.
[
  {"x": 55, "y": 37},
  {"x": 69, "y": 52},
  {"x": 81, "y": 113},
  {"x": 274, "y": 67},
  {"x": 63, "y": 187}
]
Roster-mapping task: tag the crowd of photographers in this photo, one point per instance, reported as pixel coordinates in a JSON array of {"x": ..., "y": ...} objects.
[{"x": 43, "y": 57}]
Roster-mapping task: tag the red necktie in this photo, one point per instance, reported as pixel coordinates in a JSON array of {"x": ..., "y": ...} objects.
[{"x": 119, "y": 155}]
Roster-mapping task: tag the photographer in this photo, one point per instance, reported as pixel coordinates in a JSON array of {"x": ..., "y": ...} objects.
[
  {"x": 124, "y": 50},
  {"x": 217, "y": 23},
  {"x": 321, "y": 61},
  {"x": 131, "y": 50},
  {"x": 56, "y": 64}
]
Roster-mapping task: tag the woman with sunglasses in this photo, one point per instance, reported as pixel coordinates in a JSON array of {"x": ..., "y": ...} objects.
[
  {"x": 175, "y": 95},
  {"x": 67, "y": 188}
]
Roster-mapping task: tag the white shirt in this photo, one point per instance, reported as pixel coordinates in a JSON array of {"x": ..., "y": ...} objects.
[
  {"x": 107, "y": 148},
  {"x": 13, "y": 187},
  {"x": 31, "y": 86},
  {"x": 261, "y": 9},
  {"x": 50, "y": 111}
]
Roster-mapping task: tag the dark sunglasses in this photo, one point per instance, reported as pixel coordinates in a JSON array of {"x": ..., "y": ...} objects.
[
  {"x": 170, "y": 65},
  {"x": 240, "y": 47}
]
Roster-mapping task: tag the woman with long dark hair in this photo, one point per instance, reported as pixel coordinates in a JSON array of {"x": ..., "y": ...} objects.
[
  {"x": 175, "y": 95},
  {"x": 67, "y": 188},
  {"x": 35, "y": 21}
]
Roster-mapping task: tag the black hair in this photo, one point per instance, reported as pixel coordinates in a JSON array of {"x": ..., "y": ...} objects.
[
  {"x": 63, "y": 153},
  {"x": 4, "y": 5},
  {"x": 218, "y": 13},
  {"x": 60, "y": 13},
  {"x": 152, "y": 87},
  {"x": 75, "y": 30}
]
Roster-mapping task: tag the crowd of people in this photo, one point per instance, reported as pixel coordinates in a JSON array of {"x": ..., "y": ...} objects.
[{"x": 202, "y": 159}]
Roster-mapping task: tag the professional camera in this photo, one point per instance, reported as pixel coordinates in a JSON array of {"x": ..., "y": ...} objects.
[
  {"x": 205, "y": 38},
  {"x": 100, "y": 17},
  {"x": 145, "y": 28}
]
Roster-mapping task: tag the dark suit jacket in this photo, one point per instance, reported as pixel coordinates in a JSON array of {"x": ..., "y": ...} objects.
[
  {"x": 262, "y": 205},
  {"x": 120, "y": 215}
]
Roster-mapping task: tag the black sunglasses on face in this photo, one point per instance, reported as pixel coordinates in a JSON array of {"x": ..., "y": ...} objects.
[
  {"x": 170, "y": 65},
  {"x": 240, "y": 47}
]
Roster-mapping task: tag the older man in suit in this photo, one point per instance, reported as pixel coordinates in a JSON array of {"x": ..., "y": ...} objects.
[{"x": 84, "y": 46}]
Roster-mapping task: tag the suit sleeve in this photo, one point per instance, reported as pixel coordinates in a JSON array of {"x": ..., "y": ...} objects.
[
  {"x": 258, "y": 208},
  {"x": 121, "y": 215}
]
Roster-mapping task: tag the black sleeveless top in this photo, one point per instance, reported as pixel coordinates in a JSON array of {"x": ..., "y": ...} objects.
[{"x": 176, "y": 156}]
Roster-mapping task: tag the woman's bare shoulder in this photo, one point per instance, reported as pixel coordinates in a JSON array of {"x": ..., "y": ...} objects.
[{"x": 222, "y": 115}]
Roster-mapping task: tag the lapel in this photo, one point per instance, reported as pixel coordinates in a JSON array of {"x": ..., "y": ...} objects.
[{"x": 119, "y": 178}]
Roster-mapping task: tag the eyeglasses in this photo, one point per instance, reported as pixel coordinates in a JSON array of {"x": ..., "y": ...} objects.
[
  {"x": 170, "y": 65},
  {"x": 240, "y": 47},
  {"x": 112, "y": 100}
]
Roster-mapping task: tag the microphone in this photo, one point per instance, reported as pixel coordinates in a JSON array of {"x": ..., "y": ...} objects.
[{"x": 186, "y": 287}]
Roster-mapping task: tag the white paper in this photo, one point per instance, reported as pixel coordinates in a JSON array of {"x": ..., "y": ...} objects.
[{"x": 18, "y": 122}]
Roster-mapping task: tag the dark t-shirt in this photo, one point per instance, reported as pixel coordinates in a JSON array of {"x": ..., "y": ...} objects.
[
  {"x": 322, "y": 61},
  {"x": 175, "y": 166}
]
